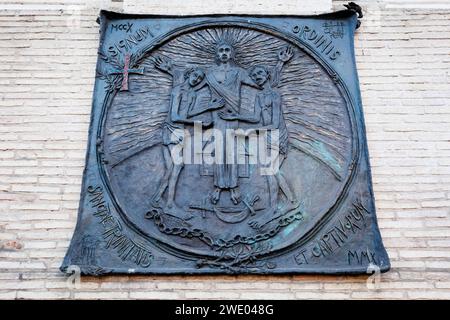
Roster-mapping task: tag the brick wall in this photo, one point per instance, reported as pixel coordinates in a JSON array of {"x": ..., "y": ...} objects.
[{"x": 47, "y": 62}]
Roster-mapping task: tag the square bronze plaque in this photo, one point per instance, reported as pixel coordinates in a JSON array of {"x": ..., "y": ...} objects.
[{"x": 227, "y": 144}]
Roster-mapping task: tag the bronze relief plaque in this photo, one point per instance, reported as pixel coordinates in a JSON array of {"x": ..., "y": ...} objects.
[{"x": 227, "y": 144}]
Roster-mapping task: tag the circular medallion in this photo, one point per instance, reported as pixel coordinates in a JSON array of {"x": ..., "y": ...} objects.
[{"x": 219, "y": 92}]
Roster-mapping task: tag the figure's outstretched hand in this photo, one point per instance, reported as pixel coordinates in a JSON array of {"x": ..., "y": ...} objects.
[
  {"x": 217, "y": 103},
  {"x": 286, "y": 54},
  {"x": 207, "y": 123},
  {"x": 252, "y": 131},
  {"x": 228, "y": 116},
  {"x": 163, "y": 64}
]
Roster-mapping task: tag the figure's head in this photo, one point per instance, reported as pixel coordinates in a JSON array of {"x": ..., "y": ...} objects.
[
  {"x": 259, "y": 74},
  {"x": 224, "y": 52},
  {"x": 194, "y": 76}
]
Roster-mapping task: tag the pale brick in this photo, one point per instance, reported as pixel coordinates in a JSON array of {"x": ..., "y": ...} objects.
[
  {"x": 46, "y": 295},
  {"x": 238, "y": 285},
  {"x": 7, "y": 295},
  {"x": 46, "y": 83},
  {"x": 374, "y": 294},
  {"x": 433, "y": 295},
  {"x": 158, "y": 295},
  {"x": 217, "y": 295},
  {"x": 101, "y": 295}
]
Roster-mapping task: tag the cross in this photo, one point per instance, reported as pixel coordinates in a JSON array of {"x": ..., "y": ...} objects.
[{"x": 126, "y": 71}]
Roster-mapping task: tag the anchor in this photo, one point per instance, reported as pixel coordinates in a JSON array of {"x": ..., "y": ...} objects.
[{"x": 228, "y": 214}]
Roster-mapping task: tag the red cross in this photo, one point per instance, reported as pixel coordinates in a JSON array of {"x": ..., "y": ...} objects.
[{"x": 126, "y": 71}]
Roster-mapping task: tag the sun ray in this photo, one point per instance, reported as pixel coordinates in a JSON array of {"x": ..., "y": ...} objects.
[{"x": 312, "y": 105}]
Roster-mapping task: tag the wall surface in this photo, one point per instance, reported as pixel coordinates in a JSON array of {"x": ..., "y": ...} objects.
[{"x": 47, "y": 63}]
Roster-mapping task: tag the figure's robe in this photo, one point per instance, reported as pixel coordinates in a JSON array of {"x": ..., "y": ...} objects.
[{"x": 226, "y": 173}]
